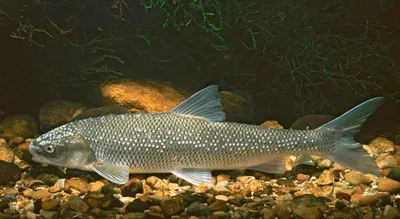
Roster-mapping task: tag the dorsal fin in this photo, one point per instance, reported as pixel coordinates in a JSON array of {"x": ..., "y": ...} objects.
[{"x": 206, "y": 104}]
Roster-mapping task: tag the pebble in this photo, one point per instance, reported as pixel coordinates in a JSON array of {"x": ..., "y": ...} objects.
[
  {"x": 79, "y": 184},
  {"x": 110, "y": 201},
  {"x": 135, "y": 215},
  {"x": 50, "y": 204},
  {"x": 137, "y": 205},
  {"x": 272, "y": 124},
  {"x": 29, "y": 207},
  {"x": 218, "y": 205},
  {"x": 305, "y": 159},
  {"x": 281, "y": 210},
  {"x": 198, "y": 209},
  {"x": 307, "y": 201},
  {"x": 223, "y": 178},
  {"x": 27, "y": 192},
  {"x": 173, "y": 186},
  {"x": 96, "y": 186},
  {"x": 381, "y": 145},
  {"x": 48, "y": 179},
  {"x": 343, "y": 195},
  {"x": 388, "y": 185},
  {"x": 49, "y": 214},
  {"x": 267, "y": 213},
  {"x": 308, "y": 212},
  {"x": 40, "y": 194},
  {"x": 21, "y": 163},
  {"x": 33, "y": 184},
  {"x": 386, "y": 161},
  {"x": 245, "y": 179},
  {"x": 155, "y": 209},
  {"x": 391, "y": 212},
  {"x": 156, "y": 183},
  {"x": 76, "y": 204},
  {"x": 132, "y": 187},
  {"x": 30, "y": 215},
  {"x": 94, "y": 200},
  {"x": 394, "y": 173},
  {"x": 152, "y": 215},
  {"x": 107, "y": 189},
  {"x": 370, "y": 200},
  {"x": 220, "y": 190},
  {"x": 324, "y": 163},
  {"x": 356, "y": 178},
  {"x": 220, "y": 215},
  {"x": 6, "y": 154},
  {"x": 54, "y": 189},
  {"x": 60, "y": 183},
  {"x": 172, "y": 206},
  {"x": 16, "y": 140},
  {"x": 326, "y": 178},
  {"x": 256, "y": 186},
  {"x": 302, "y": 177},
  {"x": 323, "y": 191},
  {"x": 24, "y": 146},
  {"x": 222, "y": 198}
]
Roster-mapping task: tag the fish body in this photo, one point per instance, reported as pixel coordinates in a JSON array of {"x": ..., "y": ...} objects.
[{"x": 193, "y": 139}]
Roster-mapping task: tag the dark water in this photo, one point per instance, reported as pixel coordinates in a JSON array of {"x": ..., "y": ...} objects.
[{"x": 37, "y": 68}]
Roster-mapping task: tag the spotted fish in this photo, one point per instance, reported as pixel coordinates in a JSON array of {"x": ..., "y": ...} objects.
[{"x": 193, "y": 139}]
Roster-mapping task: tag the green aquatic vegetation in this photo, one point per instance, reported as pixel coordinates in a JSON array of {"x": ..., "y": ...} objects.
[
  {"x": 296, "y": 49},
  {"x": 74, "y": 49},
  {"x": 317, "y": 62}
]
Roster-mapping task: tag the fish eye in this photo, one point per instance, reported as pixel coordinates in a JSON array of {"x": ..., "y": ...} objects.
[{"x": 49, "y": 149}]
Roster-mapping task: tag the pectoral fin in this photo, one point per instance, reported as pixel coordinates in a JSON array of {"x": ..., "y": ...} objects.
[
  {"x": 114, "y": 173},
  {"x": 195, "y": 176},
  {"x": 276, "y": 164}
]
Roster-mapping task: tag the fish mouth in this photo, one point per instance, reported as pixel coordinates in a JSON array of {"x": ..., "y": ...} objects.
[{"x": 35, "y": 156}]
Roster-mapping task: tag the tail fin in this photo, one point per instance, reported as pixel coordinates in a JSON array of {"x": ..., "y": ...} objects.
[{"x": 347, "y": 151}]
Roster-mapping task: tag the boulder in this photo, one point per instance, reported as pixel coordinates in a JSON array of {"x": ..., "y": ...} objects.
[
  {"x": 58, "y": 112},
  {"x": 23, "y": 125}
]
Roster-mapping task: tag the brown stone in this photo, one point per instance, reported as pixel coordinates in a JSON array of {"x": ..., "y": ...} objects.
[
  {"x": 326, "y": 178},
  {"x": 50, "y": 204},
  {"x": 356, "y": 178},
  {"x": 96, "y": 186},
  {"x": 272, "y": 124},
  {"x": 381, "y": 145},
  {"x": 79, "y": 184},
  {"x": 40, "y": 194},
  {"x": 372, "y": 199},
  {"x": 223, "y": 178},
  {"x": 388, "y": 185},
  {"x": 142, "y": 96}
]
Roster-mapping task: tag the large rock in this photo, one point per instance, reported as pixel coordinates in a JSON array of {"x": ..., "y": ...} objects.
[
  {"x": 311, "y": 121},
  {"x": 101, "y": 111},
  {"x": 22, "y": 125},
  {"x": 141, "y": 96},
  {"x": 308, "y": 206},
  {"x": 58, "y": 112},
  {"x": 153, "y": 96},
  {"x": 237, "y": 105},
  {"x": 9, "y": 173}
]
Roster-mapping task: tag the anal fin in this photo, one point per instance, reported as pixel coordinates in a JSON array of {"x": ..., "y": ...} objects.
[
  {"x": 114, "y": 173},
  {"x": 275, "y": 164},
  {"x": 194, "y": 176}
]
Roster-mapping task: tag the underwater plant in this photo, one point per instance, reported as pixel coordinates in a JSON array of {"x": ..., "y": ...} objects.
[{"x": 308, "y": 53}]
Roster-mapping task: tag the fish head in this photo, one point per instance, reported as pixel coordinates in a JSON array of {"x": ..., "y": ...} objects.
[{"x": 62, "y": 147}]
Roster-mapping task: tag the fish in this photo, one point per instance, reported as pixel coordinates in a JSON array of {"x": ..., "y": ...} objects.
[{"x": 194, "y": 138}]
